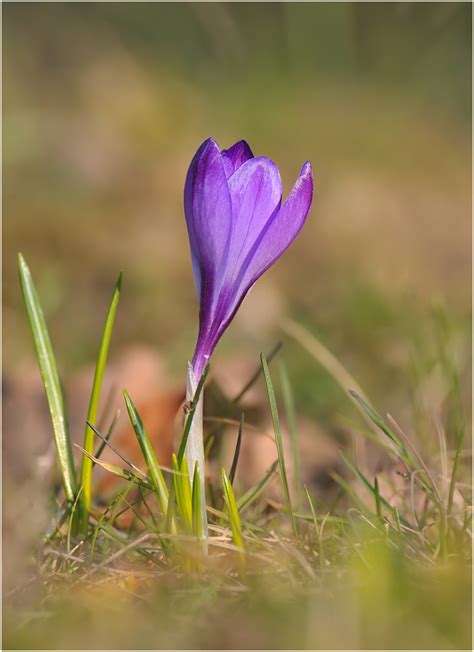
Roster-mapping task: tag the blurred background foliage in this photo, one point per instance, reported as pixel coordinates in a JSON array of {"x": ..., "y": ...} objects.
[{"x": 104, "y": 106}]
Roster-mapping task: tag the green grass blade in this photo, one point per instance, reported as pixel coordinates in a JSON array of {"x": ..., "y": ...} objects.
[
  {"x": 379, "y": 422},
  {"x": 289, "y": 405},
  {"x": 235, "y": 459},
  {"x": 378, "y": 502},
  {"x": 233, "y": 511},
  {"x": 120, "y": 472},
  {"x": 256, "y": 375},
  {"x": 149, "y": 455},
  {"x": 317, "y": 529},
  {"x": 117, "y": 452},
  {"x": 254, "y": 492},
  {"x": 183, "y": 493},
  {"x": 105, "y": 441},
  {"x": 313, "y": 511},
  {"x": 196, "y": 506},
  {"x": 86, "y": 466},
  {"x": 51, "y": 381},
  {"x": 278, "y": 438}
]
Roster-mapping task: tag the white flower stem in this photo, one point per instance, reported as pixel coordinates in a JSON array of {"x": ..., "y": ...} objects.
[{"x": 195, "y": 445}]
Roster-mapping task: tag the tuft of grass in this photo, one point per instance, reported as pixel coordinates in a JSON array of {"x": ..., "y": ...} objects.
[
  {"x": 51, "y": 382},
  {"x": 376, "y": 553},
  {"x": 87, "y": 465}
]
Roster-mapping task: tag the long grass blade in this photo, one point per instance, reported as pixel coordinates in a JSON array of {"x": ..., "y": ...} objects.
[
  {"x": 235, "y": 459},
  {"x": 378, "y": 502},
  {"x": 112, "y": 448},
  {"x": 253, "y": 379},
  {"x": 335, "y": 369},
  {"x": 313, "y": 511},
  {"x": 51, "y": 381},
  {"x": 289, "y": 404},
  {"x": 124, "y": 474},
  {"x": 196, "y": 503},
  {"x": 148, "y": 452},
  {"x": 182, "y": 485},
  {"x": 232, "y": 511},
  {"x": 86, "y": 466},
  {"x": 278, "y": 438},
  {"x": 380, "y": 423},
  {"x": 105, "y": 440}
]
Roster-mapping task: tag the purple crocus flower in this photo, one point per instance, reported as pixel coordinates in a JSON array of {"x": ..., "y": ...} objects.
[{"x": 238, "y": 227}]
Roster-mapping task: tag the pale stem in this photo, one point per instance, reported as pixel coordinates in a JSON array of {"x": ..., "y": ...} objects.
[{"x": 195, "y": 445}]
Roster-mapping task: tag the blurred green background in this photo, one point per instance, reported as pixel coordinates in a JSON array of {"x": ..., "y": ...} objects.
[{"x": 104, "y": 106}]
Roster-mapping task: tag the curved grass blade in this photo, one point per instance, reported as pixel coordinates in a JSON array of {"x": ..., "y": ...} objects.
[
  {"x": 232, "y": 510},
  {"x": 278, "y": 439},
  {"x": 86, "y": 466},
  {"x": 51, "y": 381},
  {"x": 149, "y": 455}
]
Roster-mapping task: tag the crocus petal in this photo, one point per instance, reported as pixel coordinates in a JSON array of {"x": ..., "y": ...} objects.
[
  {"x": 255, "y": 190},
  {"x": 277, "y": 235},
  {"x": 208, "y": 211},
  {"x": 236, "y": 156}
]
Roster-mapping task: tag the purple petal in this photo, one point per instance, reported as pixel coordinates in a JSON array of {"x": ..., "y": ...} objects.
[
  {"x": 208, "y": 213},
  {"x": 255, "y": 191},
  {"x": 278, "y": 234},
  {"x": 236, "y": 156}
]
